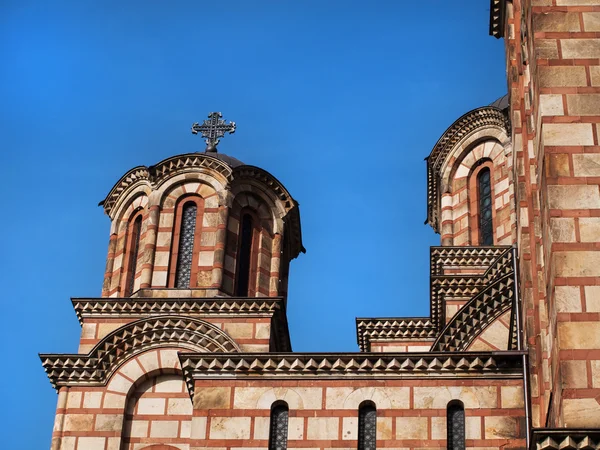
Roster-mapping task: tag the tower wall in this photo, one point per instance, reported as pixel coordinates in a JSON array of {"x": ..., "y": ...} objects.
[{"x": 552, "y": 51}]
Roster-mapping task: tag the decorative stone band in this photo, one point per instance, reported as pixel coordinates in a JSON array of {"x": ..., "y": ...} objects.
[
  {"x": 273, "y": 307},
  {"x": 565, "y": 439},
  {"x": 497, "y": 261},
  {"x": 332, "y": 366},
  {"x": 469, "y": 123},
  {"x": 368, "y": 329},
  {"x": 136, "y": 337},
  {"x": 135, "y": 307},
  {"x": 477, "y": 314},
  {"x": 442, "y": 258},
  {"x": 157, "y": 173},
  {"x": 497, "y": 18}
]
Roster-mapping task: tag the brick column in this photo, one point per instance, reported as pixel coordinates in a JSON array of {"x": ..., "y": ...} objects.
[
  {"x": 225, "y": 201},
  {"x": 275, "y": 265},
  {"x": 110, "y": 261}
]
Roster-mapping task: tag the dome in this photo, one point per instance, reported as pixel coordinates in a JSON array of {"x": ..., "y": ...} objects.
[
  {"x": 229, "y": 160},
  {"x": 501, "y": 103}
]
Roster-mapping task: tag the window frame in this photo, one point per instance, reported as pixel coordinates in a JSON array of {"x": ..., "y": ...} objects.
[{"x": 176, "y": 236}]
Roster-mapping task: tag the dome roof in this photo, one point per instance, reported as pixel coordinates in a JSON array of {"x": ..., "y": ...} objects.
[
  {"x": 229, "y": 160},
  {"x": 501, "y": 103}
]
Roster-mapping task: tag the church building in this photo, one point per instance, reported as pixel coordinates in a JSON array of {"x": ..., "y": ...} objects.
[{"x": 188, "y": 346}]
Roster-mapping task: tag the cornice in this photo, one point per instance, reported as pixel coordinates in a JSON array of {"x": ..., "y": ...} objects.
[
  {"x": 469, "y": 123},
  {"x": 133, "y": 338},
  {"x": 369, "y": 329},
  {"x": 132, "y": 307},
  {"x": 206, "y": 307},
  {"x": 331, "y": 366},
  {"x": 155, "y": 175},
  {"x": 565, "y": 438},
  {"x": 497, "y": 18}
]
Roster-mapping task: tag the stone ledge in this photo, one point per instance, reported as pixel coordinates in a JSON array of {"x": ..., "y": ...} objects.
[
  {"x": 564, "y": 438},
  {"x": 330, "y": 366}
]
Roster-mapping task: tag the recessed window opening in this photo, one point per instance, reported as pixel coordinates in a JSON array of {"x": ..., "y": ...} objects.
[
  {"x": 484, "y": 189},
  {"x": 278, "y": 432},
  {"x": 367, "y": 426},
  {"x": 456, "y": 425},
  {"x": 244, "y": 256},
  {"x": 136, "y": 230},
  {"x": 185, "y": 252}
]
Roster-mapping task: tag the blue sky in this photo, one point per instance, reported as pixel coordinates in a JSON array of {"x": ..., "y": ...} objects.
[{"x": 340, "y": 100}]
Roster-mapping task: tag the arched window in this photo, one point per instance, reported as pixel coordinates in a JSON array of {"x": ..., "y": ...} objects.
[
  {"x": 456, "y": 425},
  {"x": 367, "y": 426},
  {"x": 185, "y": 253},
  {"x": 278, "y": 433},
  {"x": 244, "y": 255},
  {"x": 484, "y": 189},
  {"x": 134, "y": 247}
]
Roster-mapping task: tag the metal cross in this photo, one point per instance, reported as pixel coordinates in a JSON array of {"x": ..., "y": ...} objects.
[{"x": 213, "y": 129}]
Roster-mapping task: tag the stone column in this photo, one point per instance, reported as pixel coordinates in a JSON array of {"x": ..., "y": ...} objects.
[
  {"x": 149, "y": 247},
  {"x": 225, "y": 202},
  {"x": 110, "y": 262},
  {"x": 275, "y": 266}
]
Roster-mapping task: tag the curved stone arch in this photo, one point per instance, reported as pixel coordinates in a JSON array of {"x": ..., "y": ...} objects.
[
  {"x": 138, "y": 199},
  {"x": 143, "y": 366},
  {"x": 203, "y": 177},
  {"x": 264, "y": 182},
  {"x": 473, "y": 126},
  {"x": 472, "y": 397},
  {"x": 191, "y": 163},
  {"x": 476, "y": 315},
  {"x": 156, "y": 332},
  {"x": 498, "y": 143},
  {"x": 289, "y": 395},
  {"x": 269, "y": 221},
  {"x": 379, "y": 398},
  {"x": 138, "y": 176}
]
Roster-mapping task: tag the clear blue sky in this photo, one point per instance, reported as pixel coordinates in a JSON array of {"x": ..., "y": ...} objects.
[{"x": 340, "y": 100}]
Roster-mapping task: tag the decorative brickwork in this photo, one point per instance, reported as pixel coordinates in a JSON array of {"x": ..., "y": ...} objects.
[
  {"x": 158, "y": 195},
  {"x": 553, "y": 49}
]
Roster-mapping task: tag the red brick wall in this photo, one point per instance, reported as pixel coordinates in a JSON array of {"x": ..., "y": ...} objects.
[{"x": 553, "y": 51}]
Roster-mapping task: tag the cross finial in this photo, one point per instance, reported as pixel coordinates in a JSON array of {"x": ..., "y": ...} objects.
[{"x": 213, "y": 129}]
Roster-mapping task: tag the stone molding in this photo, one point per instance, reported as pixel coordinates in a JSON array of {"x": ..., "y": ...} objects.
[
  {"x": 135, "y": 307},
  {"x": 156, "y": 174},
  {"x": 564, "y": 439},
  {"x": 97, "y": 366},
  {"x": 497, "y": 18},
  {"x": 470, "y": 123},
  {"x": 368, "y": 329},
  {"x": 124, "y": 307},
  {"x": 350, "y": 366}
]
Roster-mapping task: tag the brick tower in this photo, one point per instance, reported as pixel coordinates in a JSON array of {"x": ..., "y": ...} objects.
[{"x": 198, "y": 260}]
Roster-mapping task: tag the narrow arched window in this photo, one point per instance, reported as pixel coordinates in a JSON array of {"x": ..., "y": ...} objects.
[
  {"x": 367, "y": 426},
  {"x": 278, "y": 432},
  {"x": 134, "y": 248},
  {"x": 456, "y": 425},
  {"x": 244, "y": 256},
  {"x": 185, "y": 252},
  {"x": 484, "y": 189}
]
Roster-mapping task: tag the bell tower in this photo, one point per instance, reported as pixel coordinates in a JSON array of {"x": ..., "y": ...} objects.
[
  {"x": 198, "y": 261},
  {"x": 200, "y": 225}
]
